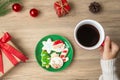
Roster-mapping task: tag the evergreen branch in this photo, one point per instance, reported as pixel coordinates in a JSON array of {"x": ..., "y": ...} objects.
[
  {"x": 13, "y": 1},
  {"x": 5, "y": 12},
  {"x": 4, "y": 6}
]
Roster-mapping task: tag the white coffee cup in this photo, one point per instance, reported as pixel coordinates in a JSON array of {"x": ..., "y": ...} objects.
[{"x": 97, "y": 26}]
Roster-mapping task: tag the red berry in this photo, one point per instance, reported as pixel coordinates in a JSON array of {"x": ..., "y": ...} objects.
[
  {"x": 34, "y": 12},
  {"x": 16, "y": 7}
]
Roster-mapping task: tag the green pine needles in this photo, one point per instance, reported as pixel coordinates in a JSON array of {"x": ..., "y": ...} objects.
[{"x": 5, "y": 6}]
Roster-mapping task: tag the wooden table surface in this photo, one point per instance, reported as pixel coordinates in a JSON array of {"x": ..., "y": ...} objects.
[{"x": 27, "y": 31}]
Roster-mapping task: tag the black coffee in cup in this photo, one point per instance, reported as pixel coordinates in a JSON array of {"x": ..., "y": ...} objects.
[{"x": 87, "y": 35}]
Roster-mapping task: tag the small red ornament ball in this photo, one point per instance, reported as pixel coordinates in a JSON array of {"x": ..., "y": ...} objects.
[
  {"x": 34, "y": 12},
  {"x": 16, "y": 7}
]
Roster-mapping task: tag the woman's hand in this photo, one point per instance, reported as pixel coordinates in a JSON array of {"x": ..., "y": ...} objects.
[{"x": 109, "y": 50}]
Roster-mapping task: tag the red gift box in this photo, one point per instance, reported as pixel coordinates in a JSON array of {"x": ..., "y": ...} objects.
[
  {"x": 10, "y": 56},
  {"x": 62, "y": 7}
]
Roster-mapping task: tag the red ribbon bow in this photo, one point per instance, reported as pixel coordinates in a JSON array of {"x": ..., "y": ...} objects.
[{"x": 9, "y": 51}]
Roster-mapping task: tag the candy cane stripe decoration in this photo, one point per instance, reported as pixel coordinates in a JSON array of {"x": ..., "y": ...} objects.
[{"x": 63, "y": 55}]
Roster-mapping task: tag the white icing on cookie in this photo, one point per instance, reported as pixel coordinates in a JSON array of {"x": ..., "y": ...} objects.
[
  {"x": 59, "y": 47},
  {"x": 56, "y": 62},
  {"x": 47, "y": 45},
  {"x": 54, "y": 55}
]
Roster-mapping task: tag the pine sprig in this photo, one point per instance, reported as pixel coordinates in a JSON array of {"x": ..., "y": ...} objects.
[
  {"x": 4, "y": 12},
  {"x": 13, "y": 1},
  {"x": 5, "y": 6}
]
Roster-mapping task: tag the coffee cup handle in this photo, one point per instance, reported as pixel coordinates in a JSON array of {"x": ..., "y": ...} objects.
[{"x": 103, "y": 44}]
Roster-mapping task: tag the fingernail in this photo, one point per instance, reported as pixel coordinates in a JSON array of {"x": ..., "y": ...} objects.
[{"x": 107, "y": 37}]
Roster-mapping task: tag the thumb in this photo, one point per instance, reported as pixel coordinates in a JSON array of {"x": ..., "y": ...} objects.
[{"x": 107, "y": 44}]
